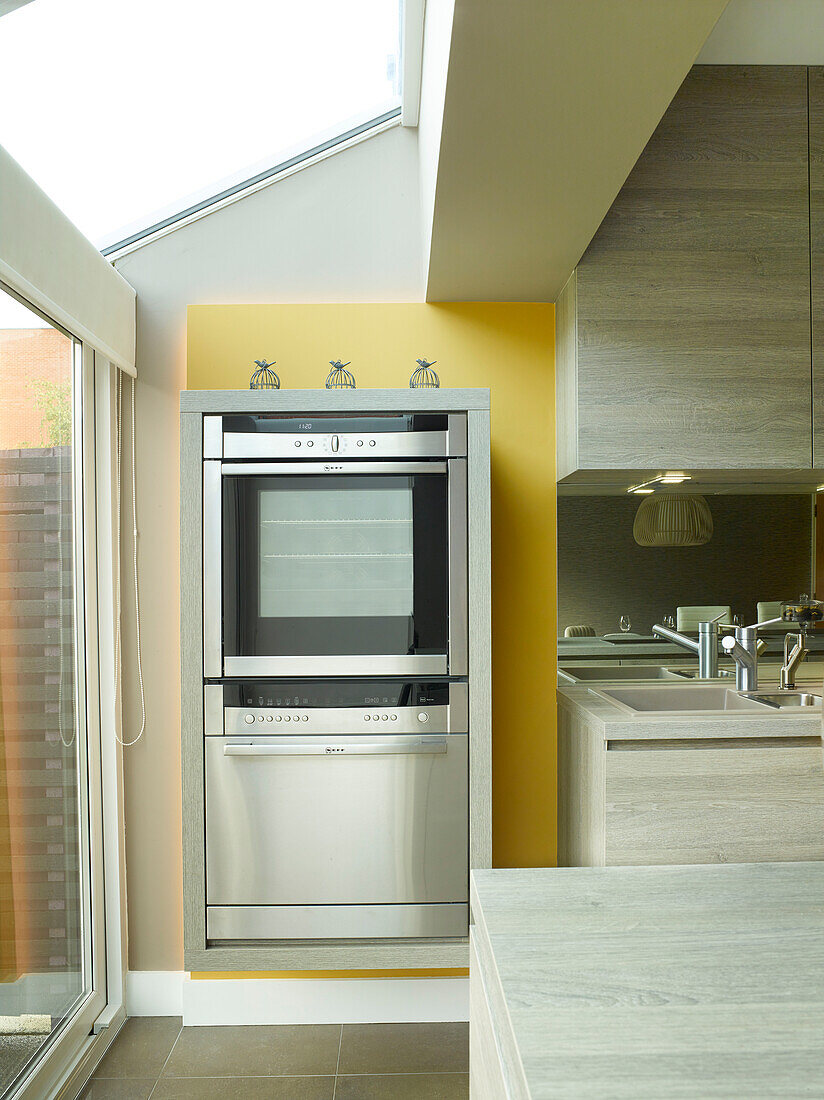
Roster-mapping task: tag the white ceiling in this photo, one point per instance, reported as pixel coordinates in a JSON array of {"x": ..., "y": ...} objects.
[{"x": 767, "y": 32}]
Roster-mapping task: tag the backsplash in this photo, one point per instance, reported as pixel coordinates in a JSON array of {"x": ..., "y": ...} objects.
[{"x": 761, "y": 549}]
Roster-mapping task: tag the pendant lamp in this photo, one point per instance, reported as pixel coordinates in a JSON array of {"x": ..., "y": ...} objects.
[{"x": 672, "y": 520}]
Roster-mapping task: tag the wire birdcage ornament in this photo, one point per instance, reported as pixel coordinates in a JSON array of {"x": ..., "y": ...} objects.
[
  {"x": 264, "y": 377},
  {"x": 424, "y": 378},
  {"x": 339, "y": 378}
]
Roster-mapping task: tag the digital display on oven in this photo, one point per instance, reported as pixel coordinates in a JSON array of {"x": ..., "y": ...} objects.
[
  {"x": 334, "y": 422},
  {"x": 335, "y": 693}
]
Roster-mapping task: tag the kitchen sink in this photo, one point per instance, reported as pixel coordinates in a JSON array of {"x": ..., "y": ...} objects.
[
  {"x": 682, "y": 699},
  {"x": 570, "y": 674},
  {"x": 786, "y": 698}
]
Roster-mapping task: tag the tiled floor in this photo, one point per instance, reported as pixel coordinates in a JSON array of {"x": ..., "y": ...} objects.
[{"x": 156, "y": 1057}]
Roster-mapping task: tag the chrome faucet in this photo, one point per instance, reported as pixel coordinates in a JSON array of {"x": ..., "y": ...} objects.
[
  {"x": 745, "y": 648},
  {"x": 706, "y": 646},
  {"x": 792, "y": 659}
]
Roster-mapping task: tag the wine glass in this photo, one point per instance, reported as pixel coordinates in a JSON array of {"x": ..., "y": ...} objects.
[{"x": 625, "y": 624}]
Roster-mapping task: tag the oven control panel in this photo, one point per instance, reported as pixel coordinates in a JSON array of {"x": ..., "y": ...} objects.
[
  {"x": 335, "y": 707},
  {"x": 340, "y": 720}
]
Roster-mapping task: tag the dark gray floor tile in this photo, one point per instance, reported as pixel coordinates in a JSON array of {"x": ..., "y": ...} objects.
[
  {"x": 256, "y": 1051},
  {"x": 412, "y": 1086},
  {"x": 141, "y": 1047},
  {"x": 113, "y": 1088},
  {"x": 244, "y": 1088},
  {"x": 404, "y": 1048}
]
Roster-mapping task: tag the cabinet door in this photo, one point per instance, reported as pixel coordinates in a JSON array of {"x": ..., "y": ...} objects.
[
  {"x": 816, "y": 78},
  {"x": 693, "y": 299},
  {"x": 731, "y": 803}
]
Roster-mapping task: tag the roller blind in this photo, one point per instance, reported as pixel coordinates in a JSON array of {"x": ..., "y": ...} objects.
[{"x": 48, "y": 261}]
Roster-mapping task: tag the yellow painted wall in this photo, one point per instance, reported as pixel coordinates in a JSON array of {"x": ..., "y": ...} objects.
[{"x": 508, "y": 347}]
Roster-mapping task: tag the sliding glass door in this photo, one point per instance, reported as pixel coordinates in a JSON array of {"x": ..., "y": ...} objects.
[{"x": 50, "y": 973}]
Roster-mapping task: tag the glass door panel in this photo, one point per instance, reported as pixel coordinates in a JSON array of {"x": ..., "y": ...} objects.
[
  {"x": 44, "y": 971},
  {"x": 318, "y": 565}
]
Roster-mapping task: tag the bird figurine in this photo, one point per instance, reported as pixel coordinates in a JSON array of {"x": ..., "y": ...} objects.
[
  {"x": 424, "y": 378},
  {"x": 264, "y": 377},
  {"x": 339, "y": 378}
]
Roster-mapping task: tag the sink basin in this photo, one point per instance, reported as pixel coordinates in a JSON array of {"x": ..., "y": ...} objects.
[
  {"x": 571, "y": 675},
  {"x": 787, "y": 698},
  {"x": 681, "y": 699},
  {"x": 692, "y": 673}
]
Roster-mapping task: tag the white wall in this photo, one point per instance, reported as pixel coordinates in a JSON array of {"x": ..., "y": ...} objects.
[
  {"x": 346, "y": 229},
  {"x": 767, "y": 32}
]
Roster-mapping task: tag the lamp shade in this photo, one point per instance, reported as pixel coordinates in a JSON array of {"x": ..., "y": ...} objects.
[{"x": 672, "y": 520}]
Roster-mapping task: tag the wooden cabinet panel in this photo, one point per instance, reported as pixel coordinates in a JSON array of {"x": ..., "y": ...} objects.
[
  {"x": 684, "y": 337},
  {"x": 486, "y": 1072},
  {"x": 732, "y": 803},
  {"x": 816, "y": 96}
]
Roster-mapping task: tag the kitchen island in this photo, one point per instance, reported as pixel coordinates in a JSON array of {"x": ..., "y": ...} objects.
[
  {"x": 725, "y": 786},
  {"x": 626, "y": 983}
]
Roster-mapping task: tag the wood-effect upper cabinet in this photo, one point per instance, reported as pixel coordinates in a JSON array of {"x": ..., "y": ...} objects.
[
  {"x": 816, "y": 96},
  {"x": 683, "y": 338}
]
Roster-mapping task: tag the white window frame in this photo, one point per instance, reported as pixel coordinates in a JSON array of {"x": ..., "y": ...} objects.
[{"x": 412, "y": 23}]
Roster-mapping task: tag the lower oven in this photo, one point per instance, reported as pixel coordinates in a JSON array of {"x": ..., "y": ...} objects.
[{"x": 336, "y": 810}]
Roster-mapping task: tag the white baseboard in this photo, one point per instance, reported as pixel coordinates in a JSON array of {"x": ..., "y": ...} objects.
[
  {"x": 154, "y": 992},
  {"x": 215, "y": 1002}
]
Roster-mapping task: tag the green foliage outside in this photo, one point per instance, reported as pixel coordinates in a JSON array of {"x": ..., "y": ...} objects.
[{"x": 54, "y": 400}]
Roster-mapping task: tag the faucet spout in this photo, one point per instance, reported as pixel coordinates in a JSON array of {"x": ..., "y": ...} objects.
[
  {"x": 706, "y": 646},
  {"x": 792, "y": 659}
]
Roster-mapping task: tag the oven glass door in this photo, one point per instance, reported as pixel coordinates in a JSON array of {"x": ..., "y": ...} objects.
[{"x": 343, "y": 566}]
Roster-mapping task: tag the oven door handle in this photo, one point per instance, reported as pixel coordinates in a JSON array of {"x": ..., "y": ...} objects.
[
  {"x": 324, "y": 748},
  {"x": 243, "y": 469}
]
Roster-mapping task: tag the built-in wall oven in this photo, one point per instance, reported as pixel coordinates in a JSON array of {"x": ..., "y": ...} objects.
[
  {"x": 335, "y": 546},
  {"x": 336, "y": 809}
]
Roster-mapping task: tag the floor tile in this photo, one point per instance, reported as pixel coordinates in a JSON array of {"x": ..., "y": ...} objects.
[
  {"x": 141, "y": 1047},
  {"x": 404, "y": 1048},
  {"x": 412, "y": 1086},
  {"x": 244, "y": 1088},
  {"x": 113, "y": 1088},
  {"x": 255, "y": 1051}
]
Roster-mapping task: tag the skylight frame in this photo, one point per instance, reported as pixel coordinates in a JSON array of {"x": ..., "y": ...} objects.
[{"x": 249, "y": 185}]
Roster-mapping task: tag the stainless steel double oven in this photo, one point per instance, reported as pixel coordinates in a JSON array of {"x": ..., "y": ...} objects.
[{"x": 335, "y": 653}]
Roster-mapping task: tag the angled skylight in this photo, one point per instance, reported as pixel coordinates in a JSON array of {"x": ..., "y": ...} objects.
[{"x": 127, "y": 113}]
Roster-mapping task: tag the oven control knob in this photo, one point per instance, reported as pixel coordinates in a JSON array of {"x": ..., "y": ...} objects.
[
  {"x": 287, "y": 718},
  {"x": 304, "y": 718},
  {"x": 309, "y": 443},
  {"x": 385, "y": 717},
  {"x": 367, "y": 717},
  {"x": 268, "y": 717},
  {"x": 376, "y": 718},
  {"x": 371, "y": 442},
  {"x": 394, "y": 717},
  {"x": 360, "y": 442},
  {"x": 249, "y": 719},
  {"x": 278, "y": 718},
  {"x": 297, "y": 442},
  {"x": 423, "y": 716}
]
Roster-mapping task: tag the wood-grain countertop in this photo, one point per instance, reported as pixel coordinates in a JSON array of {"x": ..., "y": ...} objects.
[
  {"x": 627, "y": 983},
  {"x": 617, "y": 724}
]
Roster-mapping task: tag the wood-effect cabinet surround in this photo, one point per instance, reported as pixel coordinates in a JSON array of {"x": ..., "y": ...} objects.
[
  {"x": 684, "y": 335},
  {"x": 714, "y": 799}
]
